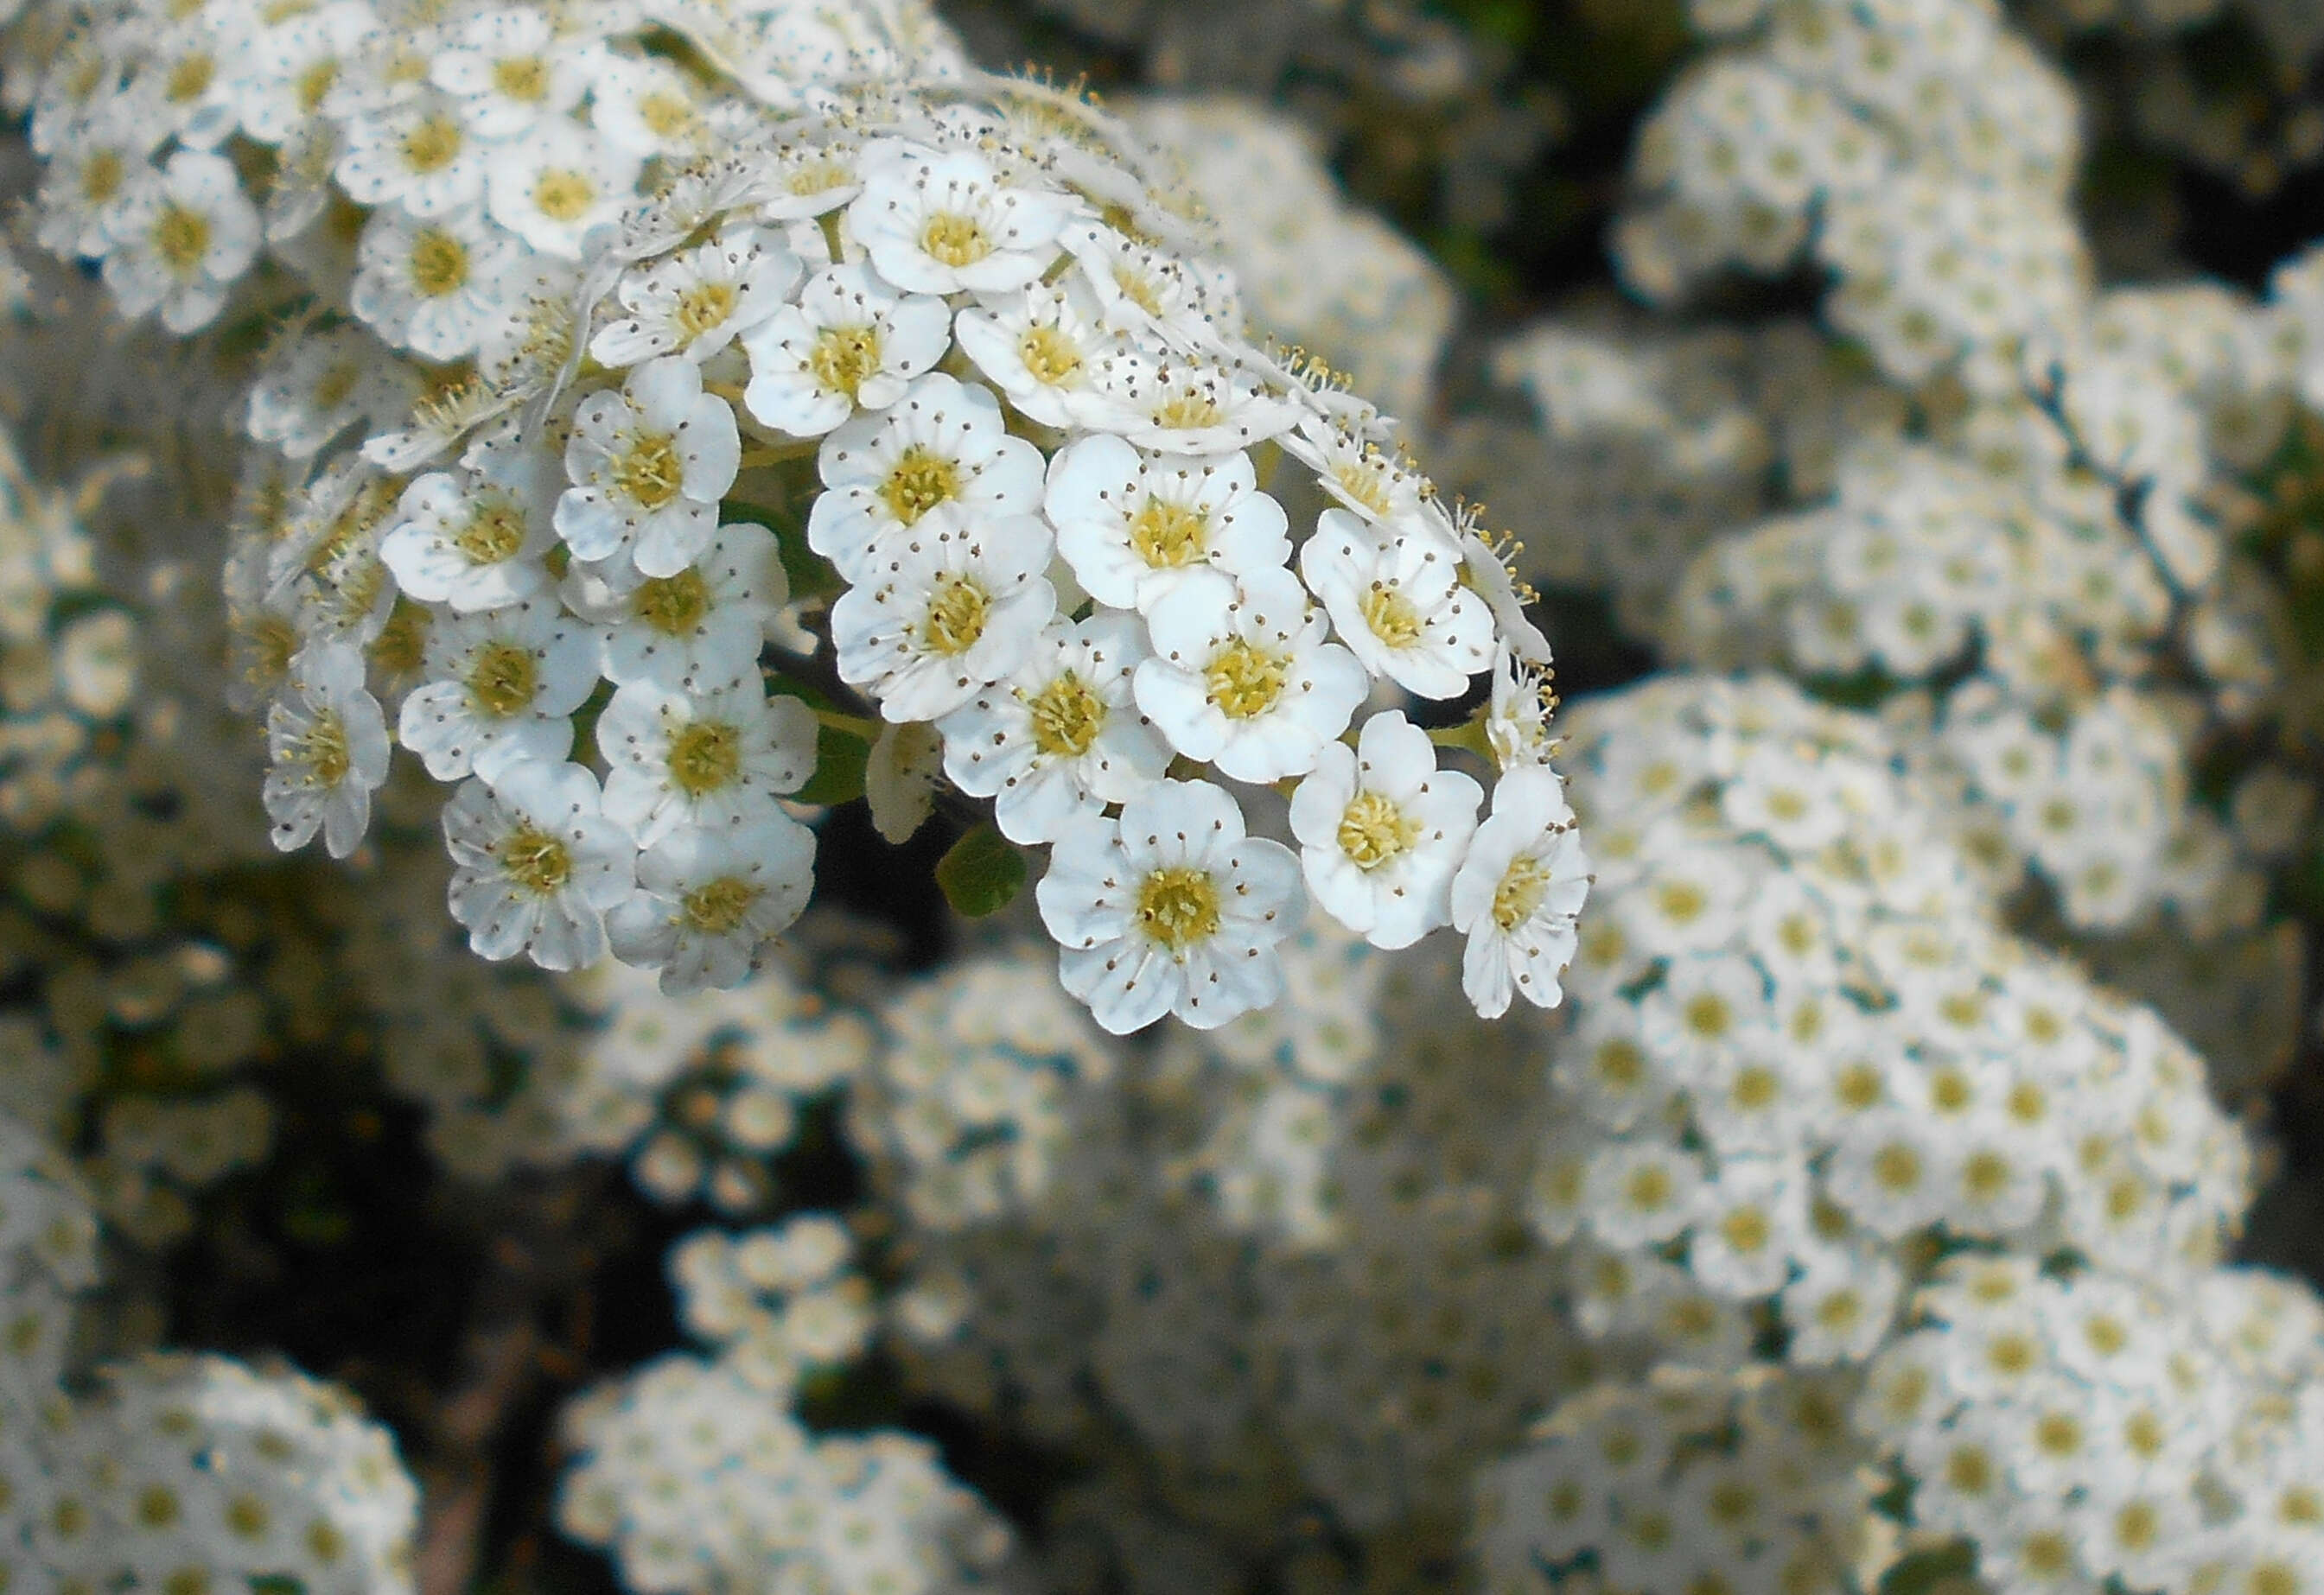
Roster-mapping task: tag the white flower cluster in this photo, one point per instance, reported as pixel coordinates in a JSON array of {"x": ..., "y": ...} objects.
[
  {"x": 1313, "y": 270},
  {"x": 1920, "y": 150},
  {"x": 1802, "y": 1053},
  {"x": 177, "y": 1472},
  {"x": 2039, "y": 574},
  {"x": 1650, "y": 440},
  {"x": 697, "y": 1475},
  {"x": 697, "y": 1481},
  {"x": 1696, "y": 1481},
  {"x": 576, "y": 541},
  {"x": 2101, "y": 1429},
  {"x": 1281, "y": 1268}
]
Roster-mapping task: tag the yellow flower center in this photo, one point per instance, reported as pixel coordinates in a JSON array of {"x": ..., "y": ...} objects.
[
  {"x": 494, "y": 531},
  {"x": 522, "y": 78},
  {"x": 1364, "y": 484},
  {"x": 100, "y": 177},
  {"x": 433, "y": 145},
  {"x": 1707, "y": 1015},
  {"x": 919, "y": 483},
  {"x": 1187, "y": 412},
  {"x": 505, "y": 680},
  {"x": 1049, "y": 355},
  {"x": 182, "y": 237},
  {"x": 843, "y": 356},
  {"x": 1897, "y": 1168},
  {"x": 1245, "y": 681},
  {"x": 1177, "y": 907},
  {"x": 1138, "y": 289},
  {"x": 1391, "y": 616},
  {"x": 705, "y": 757},
  {"x": 1984, "y": 1175},
  {"x": 703, "y": 306},
  {"x": 1167, "y": 536},
  {"x": 1523, "y": 886},
  {"x": 957, "y": 611},
  {"x": 1373, "y": 830},
  {"x": 564, "y": 195},
  {"x": 536, "y": 860},
  {"x": 718, "y": 908},
  {"x": 672, "y": 605},
  {"x": 439, "y": 263},
  {"x": 820, "y": 177},
  {"x": 313, "y": 84},
  {"x": 651, "y": 474},
  {"x": 1746, "y": 1230},
  {"x": 666, "y": 115},
  {"x": 954, "y": 239},
  {"x": 190, "y": 78},
  {"x": 1066, "y": 717},
  {"x": 324, "y": 750}
]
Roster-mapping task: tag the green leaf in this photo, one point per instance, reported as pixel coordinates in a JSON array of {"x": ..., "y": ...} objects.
[
  {"x": 982, "y": 872},
  {"x": 811, "y": 574},
  {"x": 1919, "y": 1572},
  {"x": 839, "y": 759}
]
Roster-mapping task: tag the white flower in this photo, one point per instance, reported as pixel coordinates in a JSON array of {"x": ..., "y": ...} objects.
[
  {"x": 707, "y": 901},
  {"x": 1135, "y": 526},
  {"x": 501, "y": 690},
  {"x": 1060, "y": 738},
  {"x": 649, "y": 465},
  {"x": 86, "y": 184},
  {"x": 705, "y": 624},
  {"x": 1039, "y": 348},
  {"x": 1183, "y": 404},
  {"x": 942, "y": 223},
  {"x": 1516, "y": 717},
  {"x": 432, "y": 286},
  {"x": 509, "y": 70},
  {"x": 951, "y": 612},
  {"x": 1170, "y": 909},
  {"x": 535, "y": 864},
  {"x": 1382, "y": 830},
  {"x": 326, "y": 750},
  {"x": 416, "y": 153},
  {"x": 850, "y": 343},
  {"x": 319, "y": 384},
  {"x": 696, "y": 303},
  {"x": 1242, "y": 678},
  {"x": 648, "y": 107},
  {"x": 1398, "y": 602},
  {"x": 287, "y": 70},
  {"x": 942, "y": 443},
  {"x": 180, "y": 236},
  {"x": 474, "y": 541},
  {"x": 1140, "y": 289},
  {"x": 557, "y": 181},
  {"x": 713, "y": 760},
  {"x": 1516, "y": 894}
]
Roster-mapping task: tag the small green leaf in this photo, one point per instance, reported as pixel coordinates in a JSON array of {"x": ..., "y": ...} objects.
[
  {"x": 810, "y": 574},
  {"x": 1921, "y": 1571},
  {"x": 838, "y": 775},
  {"x": 982, "y": 872}
]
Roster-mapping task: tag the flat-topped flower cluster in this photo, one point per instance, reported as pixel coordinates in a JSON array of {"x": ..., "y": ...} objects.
[{"x": 930, "y": 390}]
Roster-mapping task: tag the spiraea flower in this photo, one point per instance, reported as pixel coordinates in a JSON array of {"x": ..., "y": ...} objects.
[{"x": 1171, "y": 910}]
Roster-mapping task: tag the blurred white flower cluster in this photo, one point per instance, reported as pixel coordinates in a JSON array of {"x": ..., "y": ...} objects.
[{"x": 176, "y": 1472}]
